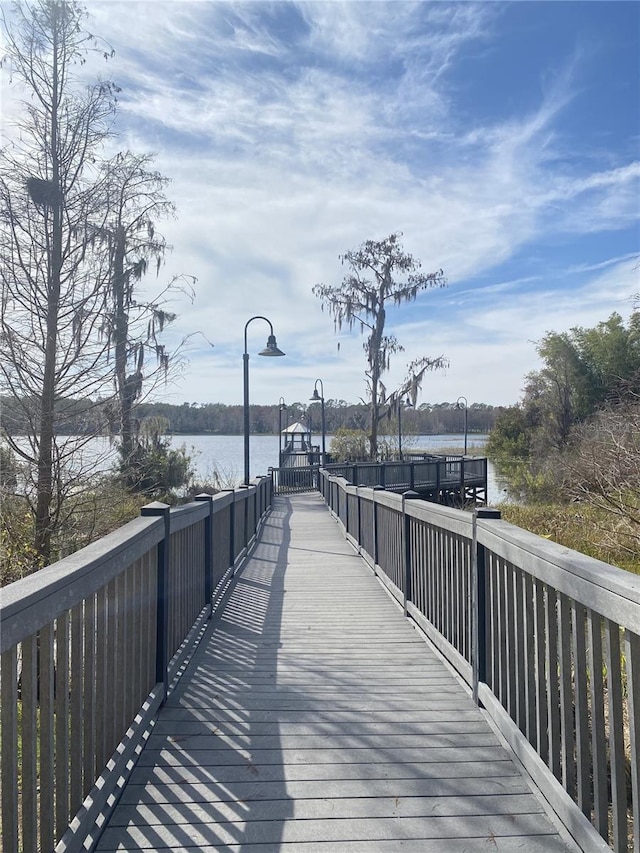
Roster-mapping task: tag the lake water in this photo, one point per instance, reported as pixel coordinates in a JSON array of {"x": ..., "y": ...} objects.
[{"x": 224, "y": 454}]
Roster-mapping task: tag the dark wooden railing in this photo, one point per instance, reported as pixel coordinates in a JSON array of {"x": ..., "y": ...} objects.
[
  {"x": 547, "y": 639},
  {"x": 288, "y": 481},
  {"x": 455, "y": 480},
  {"x": 89, "y": 648},
  {"x": 443, "y": 479}
]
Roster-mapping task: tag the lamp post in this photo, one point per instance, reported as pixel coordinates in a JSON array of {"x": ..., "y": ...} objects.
[
  {"x": 403, "y": 404},
  {"x": 464, "y": 405},
  {"x": 315, "y": 397},
  {"x": 271, "y": 349},
  {"x": 282, "y": 407}
]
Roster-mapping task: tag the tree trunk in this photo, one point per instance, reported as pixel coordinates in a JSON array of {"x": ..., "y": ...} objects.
[
  {"x": 43, "y": 525},
  {"x": 120, "y": 327},
  {"x": 375, "y": 356}
]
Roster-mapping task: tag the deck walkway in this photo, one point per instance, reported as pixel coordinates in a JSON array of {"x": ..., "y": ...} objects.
[{"x": 314, "y": 717}]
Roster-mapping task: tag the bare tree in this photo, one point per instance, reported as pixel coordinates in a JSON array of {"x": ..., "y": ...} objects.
[
  {"x": 135, "y": 200},
  {"x": 603, "y": 470},
  {"x": 53, "y": 273},
  {"x": 381, "y": 274}
]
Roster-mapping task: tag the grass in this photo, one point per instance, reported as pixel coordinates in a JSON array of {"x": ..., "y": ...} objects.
[{"x": 576, "y": 526}]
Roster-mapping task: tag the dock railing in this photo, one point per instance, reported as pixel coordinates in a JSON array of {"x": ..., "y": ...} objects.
[
  {"x": 547, "y": 639},
  {"x": 89, "y": 648},
  {"x": 436, "y": 476}
]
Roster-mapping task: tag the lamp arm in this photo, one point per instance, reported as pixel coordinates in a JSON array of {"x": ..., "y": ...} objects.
[{"x": 250, "y": 320}]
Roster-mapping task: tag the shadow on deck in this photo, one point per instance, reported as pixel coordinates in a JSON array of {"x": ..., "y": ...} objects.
[{"x": 313, "y": 716}]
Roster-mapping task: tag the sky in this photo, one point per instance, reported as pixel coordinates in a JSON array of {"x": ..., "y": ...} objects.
[{"x": 501, "y": 139}]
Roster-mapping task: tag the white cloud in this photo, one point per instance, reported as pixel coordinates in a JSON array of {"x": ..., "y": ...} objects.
[{"x": 292, "y": 132}]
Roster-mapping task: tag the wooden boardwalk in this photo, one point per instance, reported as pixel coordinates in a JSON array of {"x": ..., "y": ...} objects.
[{"x": 314, "y": 717}]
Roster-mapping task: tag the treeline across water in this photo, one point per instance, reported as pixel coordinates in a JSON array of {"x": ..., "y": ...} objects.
[
  {"x": 86, "y": 417},
  {"x": 265, "y": 420}
]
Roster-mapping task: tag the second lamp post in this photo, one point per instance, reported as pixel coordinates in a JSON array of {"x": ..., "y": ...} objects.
[
  {"x": 315, "y": 397},
  {"x": 271, "y": 349},
  {"x": 464, "y": 405},
  {"x": 282, "y": 407},
  {"x": 402, "y": 404}
]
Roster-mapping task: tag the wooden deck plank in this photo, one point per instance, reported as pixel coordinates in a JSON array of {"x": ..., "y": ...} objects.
[
  {"x": 328, "y": 807},
  {"x": 323, "y": 755},
  {"x": 517, "y": 844},
  {"x": 190, "y": 775},
  {"x": 419, "y": 786},
  {"x": 355, "y": 727},
  {"x": 338, "y": 718},
  {"x": 539, "y": 844},
  {"x": 342, "y": 832},
  {"x": 313, "y": 716}
]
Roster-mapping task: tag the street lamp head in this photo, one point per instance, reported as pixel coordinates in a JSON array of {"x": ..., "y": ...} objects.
[
  {"x": 271, "y": 348},
  {"x": 461, "y": 403},
  {"x": 318, "y": 397}
]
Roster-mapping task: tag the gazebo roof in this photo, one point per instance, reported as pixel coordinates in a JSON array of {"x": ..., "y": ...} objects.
[{"x": 296, "y": 429}]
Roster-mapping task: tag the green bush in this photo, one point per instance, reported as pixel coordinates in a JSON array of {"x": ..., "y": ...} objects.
[
  {"x": 154, "y": 468},
  {"x": 17, "y": 555},
  {"x": 349, "y": 445}
]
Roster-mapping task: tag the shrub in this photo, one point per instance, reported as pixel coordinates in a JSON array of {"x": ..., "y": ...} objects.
[
  {"x": 349, "y": 445},
  {"x": 155, "y": 469}
]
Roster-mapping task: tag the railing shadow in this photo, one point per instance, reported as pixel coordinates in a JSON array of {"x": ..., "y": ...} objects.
[{"x": 213, "y": 744}]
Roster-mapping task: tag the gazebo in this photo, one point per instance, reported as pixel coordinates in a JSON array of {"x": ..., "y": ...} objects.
[{"x": 297, "y": 446}]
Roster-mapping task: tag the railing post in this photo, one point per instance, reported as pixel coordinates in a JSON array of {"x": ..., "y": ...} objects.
[
  {"x": 232, "y": 528},
  {"x": 375, "y": 524},
  {"x": 346, "y": 507},
  {"x": 409, "y": 495},
  {"x": 158, "y": 508},
  {"x": 208, "y": 551},
  {"x": 256, "y": 508},
  {"x": 245, "y": 507},
  {"x": 479, "y": 603}
]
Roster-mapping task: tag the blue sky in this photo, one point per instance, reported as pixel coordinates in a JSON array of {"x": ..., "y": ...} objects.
[{"x": 502, "y": 139}]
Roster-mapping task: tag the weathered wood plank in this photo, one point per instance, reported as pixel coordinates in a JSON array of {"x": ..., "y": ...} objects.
[
  {"x": 322, "y": 755},
  {"x": 390, "y": 805},
  {"x": 268, "y": 773},
  {"x": 358, "y": 728},
  {"x": 314, "y": 716},
  {"x": 177, "y": 836},
  {"x": 338, "y": 717},
  {"x": 362, "y": 705},
  {"x": 326, "y": 741},
  {"x": 419, "y": 786},
  {"x": 516, "y": 844}
]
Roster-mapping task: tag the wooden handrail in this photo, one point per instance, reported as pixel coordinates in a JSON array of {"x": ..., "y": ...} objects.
[
  {"x": 547, "y": 638},
  {"x": 89, "y": 647}
]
